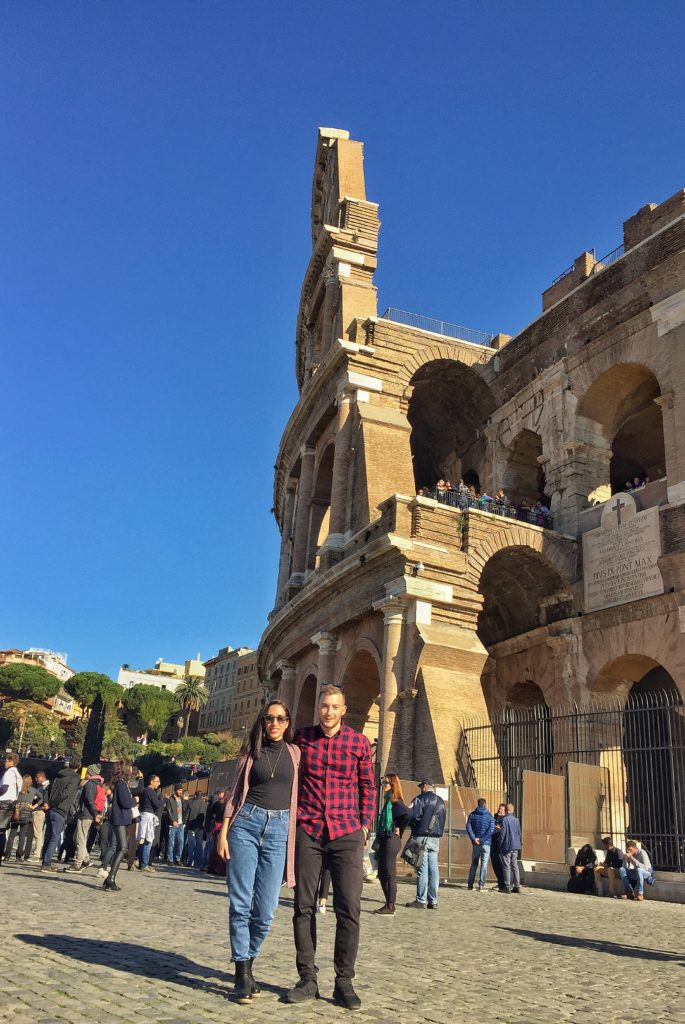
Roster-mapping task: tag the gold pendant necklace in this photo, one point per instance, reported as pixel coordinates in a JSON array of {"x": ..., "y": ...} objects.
[{"x": 275, "y": 766}]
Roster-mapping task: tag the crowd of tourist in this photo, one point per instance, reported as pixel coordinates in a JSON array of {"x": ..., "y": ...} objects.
[
  {"x": 466, "y": 496},
  {"x": 79, "y": 815},
  {"x": 639, "y": 481}
]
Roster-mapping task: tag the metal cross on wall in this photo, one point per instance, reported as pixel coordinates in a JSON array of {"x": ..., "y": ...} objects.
[{"x": 617, "y": 508}]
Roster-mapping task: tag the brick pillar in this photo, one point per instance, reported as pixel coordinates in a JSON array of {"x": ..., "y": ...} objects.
[
  {"x": 394, "y": 614},
  {"x": 330, "y": 313},
  {"x": 304, "y": 498},
  {"x": 673, "y": 468},
  {"x": 286, "y": 541},
  {"x": 286, "y": 690},
  {"x": 328, "y": 645}
]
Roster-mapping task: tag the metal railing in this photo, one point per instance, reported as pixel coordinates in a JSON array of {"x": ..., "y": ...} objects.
[
  {"x": 427, "y": 323},
  {"x": 486, "y": 504},
  {"x": 610, "y": 258},
  {"x": 563, "y": 274},
  {"x": 638, "y": 746}
]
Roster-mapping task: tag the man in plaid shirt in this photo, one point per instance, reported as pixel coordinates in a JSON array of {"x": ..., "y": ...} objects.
[{"x": 335, "y": 811}]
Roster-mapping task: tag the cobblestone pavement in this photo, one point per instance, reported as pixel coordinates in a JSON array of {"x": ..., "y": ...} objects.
[{"x": 157, "y": 953}]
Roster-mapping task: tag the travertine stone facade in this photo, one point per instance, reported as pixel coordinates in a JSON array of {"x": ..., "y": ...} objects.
[{"x": 428, "y": 614}]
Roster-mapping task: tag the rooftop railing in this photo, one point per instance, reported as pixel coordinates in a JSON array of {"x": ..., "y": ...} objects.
[
  {"x": 486, "y": 504},
  {"x": 428, "y": 323},
  {"x": 611, "y": 257}
]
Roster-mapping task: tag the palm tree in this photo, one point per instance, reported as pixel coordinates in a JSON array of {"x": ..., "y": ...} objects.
[{"x": 190, "y": 695}]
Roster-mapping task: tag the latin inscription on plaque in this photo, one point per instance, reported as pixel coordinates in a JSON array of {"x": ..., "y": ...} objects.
[{"x": 620, "y": 557}]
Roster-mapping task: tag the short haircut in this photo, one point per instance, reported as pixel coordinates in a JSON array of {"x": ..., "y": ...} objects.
[
  {"x": 482, "y": 802},
  {"x": 75, "y": 763},
  {"x": 631, "y": 842},
  {"x": 152, "y": 779},
  {"x": 510, "y": 808},
  {"x": 608, "y": 840},
  {"x": 330, "y": 690}
]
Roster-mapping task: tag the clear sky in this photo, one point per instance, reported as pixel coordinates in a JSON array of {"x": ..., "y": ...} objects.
[{"x": 154, "y": 214}]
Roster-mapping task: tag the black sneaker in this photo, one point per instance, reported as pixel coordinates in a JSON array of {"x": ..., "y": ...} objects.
[
  {"x": 306, "y": 988},
  {"x": 344, "y": 994},
  {"x": 517, "y": 890},
  {"x": 431, "y": 906},
  {"x": 415, "y": 905}
]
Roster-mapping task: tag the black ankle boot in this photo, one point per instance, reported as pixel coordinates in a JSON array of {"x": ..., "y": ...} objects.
[
  {"x": 243, "y": 984},
  {"x": 256, "y": 990}
]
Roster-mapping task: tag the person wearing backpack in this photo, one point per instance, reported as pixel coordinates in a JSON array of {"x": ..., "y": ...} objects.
[
  {"x": 91, "y": 807},
  {"x": 60, "y": 798}
]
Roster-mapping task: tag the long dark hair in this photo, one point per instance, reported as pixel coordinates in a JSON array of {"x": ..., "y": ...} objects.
[{"x": 255, "y": 738}]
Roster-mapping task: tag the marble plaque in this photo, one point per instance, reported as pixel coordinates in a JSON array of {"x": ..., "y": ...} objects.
[{"x": 620, "y": 557}]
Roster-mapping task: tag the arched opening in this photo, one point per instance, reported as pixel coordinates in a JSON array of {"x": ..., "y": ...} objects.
[
  {"x": 529, "y": 735},
  {"x": 319, "y": 517},
  {"x": 524, "y": 477},
  {"x": 304, "y": 714},
  {"x": 654, "y": 755},
  {"x": 450, "y": 405},
  {"x": 515, "y": 583},
  {"x": 619, "y": 417},
  {"x": 362, "y": 687}
]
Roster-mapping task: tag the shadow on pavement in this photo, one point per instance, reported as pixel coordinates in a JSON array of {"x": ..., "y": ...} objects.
[
  {"x": 600, "y": 946},
  {"x": 149, "y": 963}
]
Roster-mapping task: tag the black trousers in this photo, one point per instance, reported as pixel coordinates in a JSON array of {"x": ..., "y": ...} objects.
[
  {"x": 121, "y": 841},
  {"x": 344, "y": 859},
  {"x": 496, "y": 861},
  {"x": 387, "y": 866}
]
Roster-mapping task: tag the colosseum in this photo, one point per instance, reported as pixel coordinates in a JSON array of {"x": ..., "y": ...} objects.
[{"x": 472, "y": 523}]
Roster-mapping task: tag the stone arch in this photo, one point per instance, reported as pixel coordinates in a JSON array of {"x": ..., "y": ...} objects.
[
  {"x": 517, "y": 583},
  {"x": 618, "y": 676},
  {"x": 620, "y": 422},
  {"x": 305, "y": 704},
  {"x": 526, "y": 694},
  {"x": 449, "y": 406},
  {"x": 362, "y": 683},
  {"x": 319, "y": 517},
  {"x": 559, "y": 553},
  {"x": 524, "y": 476}
]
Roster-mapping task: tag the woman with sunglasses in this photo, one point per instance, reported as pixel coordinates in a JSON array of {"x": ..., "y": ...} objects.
[
  {"x": 257, "y": 837},
  {"x": 393, "y": 819}
]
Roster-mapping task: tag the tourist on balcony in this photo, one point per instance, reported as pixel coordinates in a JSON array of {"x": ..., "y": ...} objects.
[
  {"x": 480, "y": 826},
  {"x": 523, "y": 510},
  {"x": 393, "y": 819},
  {"x": 257, "y": 837}
]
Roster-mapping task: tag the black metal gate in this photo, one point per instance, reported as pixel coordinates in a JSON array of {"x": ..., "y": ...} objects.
[{"x": 640, "y": 743}]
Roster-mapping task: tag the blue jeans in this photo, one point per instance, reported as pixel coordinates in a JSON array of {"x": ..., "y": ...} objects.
[
  {"x": 428, "y": 876},
  {"x": 144, "y": 853},
  {"x": 54, "y": 822},
  {"x": 635, "y": 877},
  {"x": 174, "y": 844},
  {"x": 479, "y": 855},
  {"x": 257, "y": 842},
  {"x": 194, "y": 856}
]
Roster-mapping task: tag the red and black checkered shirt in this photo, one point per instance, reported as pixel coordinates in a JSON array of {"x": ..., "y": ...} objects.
[{"x": 337, "y": 788}]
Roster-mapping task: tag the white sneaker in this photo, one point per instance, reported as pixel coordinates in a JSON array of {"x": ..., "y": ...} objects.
[
  {"x": 103, "y": 873},
  {"x": 321, "y": 908}
]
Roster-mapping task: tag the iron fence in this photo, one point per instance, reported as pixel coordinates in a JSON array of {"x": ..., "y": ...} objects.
[
  {"x": 457, "y": 499},
  {"x": 428, "y": 323},
  {"x": 638, "y": 748},
  {"x": 610, "y": 257}
]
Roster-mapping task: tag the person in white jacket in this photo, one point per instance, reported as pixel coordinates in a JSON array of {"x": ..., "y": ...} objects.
[{"x": 10, "y": 788}]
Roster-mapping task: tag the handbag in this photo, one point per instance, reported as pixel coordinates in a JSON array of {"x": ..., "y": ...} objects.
[
  {"x": 376, "y": 844},
  {"x": 6, "y": 813},
  {"x": 413, "y": 853}
]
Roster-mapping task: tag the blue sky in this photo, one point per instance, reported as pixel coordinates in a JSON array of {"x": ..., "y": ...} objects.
[{"x": 154, "y": 215}]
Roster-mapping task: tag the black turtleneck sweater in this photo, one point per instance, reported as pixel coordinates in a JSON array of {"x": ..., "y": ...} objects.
[{"x": 273, "y": 794}]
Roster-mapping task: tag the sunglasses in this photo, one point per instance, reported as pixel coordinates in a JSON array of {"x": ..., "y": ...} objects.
[{"x": 270, "y": 719}]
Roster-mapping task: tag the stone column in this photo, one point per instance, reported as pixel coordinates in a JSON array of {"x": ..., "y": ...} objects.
[
  {"x": 286, "y": 541},
  {"x": 329, "y": 312},
  {"x": 328, "y": 646},
  {"x": 394, "y": 614},
  {"x": 304, "y": 498},
  {"x": 338, "y": 518},
  {"x": 286, "y": 690},
  {"x": 674, "y": 473}
]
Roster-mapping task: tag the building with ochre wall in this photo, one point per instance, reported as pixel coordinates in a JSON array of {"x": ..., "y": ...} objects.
[{"x": 429, "y": 610}]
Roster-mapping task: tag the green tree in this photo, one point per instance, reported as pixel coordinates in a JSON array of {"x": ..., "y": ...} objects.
[
  {"x": 85, "y": 686},
  {"x": 33, "y": 726},
  {"x": 190, "y": 695},
  {"x": 116, "y": 743},
  {"x": 151, "y": 705},
  {"x": 28, "y": 682}
]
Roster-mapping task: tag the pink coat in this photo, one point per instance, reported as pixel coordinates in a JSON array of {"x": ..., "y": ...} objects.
[{"x": 236, "y": 799}]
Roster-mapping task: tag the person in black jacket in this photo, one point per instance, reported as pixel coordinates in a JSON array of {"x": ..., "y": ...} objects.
[
  {"x": 87, "y": 814},
  {"x": 583, "y": 871},
  {"x": 196, "y": 810},
  {"x": 392, "y": 821},
  {"x": 120, "y": 816},
  {"x": 613, "y": 862},
  {"x": 61, "y": 797},
  {"x": 149, "y": 804},
  {"x": 427, "y": 825}
]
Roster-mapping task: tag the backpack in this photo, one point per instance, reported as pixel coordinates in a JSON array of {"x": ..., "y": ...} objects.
[{"x": 100, "y": 799}]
